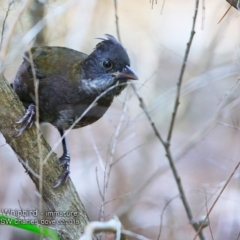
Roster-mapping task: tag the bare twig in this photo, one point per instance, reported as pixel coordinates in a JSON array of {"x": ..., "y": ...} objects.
[
  {"x": 4, "y": 22},
  {"x": 116, "y": 19},
  {"x": 174, "y": 114},
  {"x": 203, "y": 14},
  {"x": 99, "y": 189},
  {"x": 206, "y": 204},
  {"x": 216, "y": 200},
  {"x": 163, "y": 4},
  {"x": 224, "y": 14},
  {"x": 31, "y": 34},
  {"x": 152, "y": 1},
  {"x": 109, "y": 162},
  {"x": 161, "y": 216},
  {"x": 96, "y": 149},
  {"x": 115, "y": 139},
  {"x": 125, "y": 154},
  {"x": 117, "y": 198},
  {"x": 142, "y": 103},
  {"x": 136, "y": 194},
  {"x": 143, "y": 106},
  {"x": 21, "y": 209},
  {"x": 36, "y": 99},
  {"x": 179, "y": 83},
  {"x": 132, "y": 234},
  {"x": 90, "y": 202},
  {"x": 7, "y": 41},
  {"x": 229, "y": 91}
]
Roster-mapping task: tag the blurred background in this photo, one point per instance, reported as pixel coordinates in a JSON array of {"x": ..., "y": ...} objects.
[{"x": 206, "y": 139}]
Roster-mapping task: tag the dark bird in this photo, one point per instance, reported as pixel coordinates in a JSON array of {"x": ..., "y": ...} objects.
[{"x": 68, "y": 84}]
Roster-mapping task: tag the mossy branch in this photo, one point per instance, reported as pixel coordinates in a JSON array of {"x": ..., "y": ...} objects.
[{"x": 64, "y": 198}]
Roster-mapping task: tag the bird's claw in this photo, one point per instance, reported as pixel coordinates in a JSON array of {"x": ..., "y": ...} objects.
[
  {"x": 28, "y": 119},
  {"x": 65, "y": 162}
]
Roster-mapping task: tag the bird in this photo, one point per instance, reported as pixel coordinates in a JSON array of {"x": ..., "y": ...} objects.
[{"x": 73, "y": 89}]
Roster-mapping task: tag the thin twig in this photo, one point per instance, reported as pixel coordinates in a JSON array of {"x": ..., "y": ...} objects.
[
  {"x": 116, "y": 136},
  {"x": 161, "y": 216},
  {"x": 30, "y": 35},
  {"x": 109, "y": 165},
  {"x": 117, "y": 198},
  {"x": 90, "y": 202},
  {"x": 4, "y": 22},
  {"x": 163, "y": 4},
  {"x": 216, "y": 200},
  {"x": 7, "y": 41},
  {"x": 116, "y": 20},
  {"x": 167, "y": 143},
  {"x": 206, "y": 201},
  {"x": 209, "y": 125},
  {"x": 125, "y": 154},
  {"x": 21, "y": 209},
  {"x": 135, "y": 235},
  {"x": 224, "y": 15},
  {"x": 203, "y": 14},
  {"x": 143, "y": 106},
  {"x": 96, "y": 149},
  {"x": 229, "y": 91},
  {"x": 152, "y": 1},
  {"x": 142, "y": 103},
  {"x": 179, "y": 83},
  {"x": 174, "y": 114},
  {"x": 37, "y": 117},
  {"x": 99, "y": 189},
  {"x": 136, "y": 195}
]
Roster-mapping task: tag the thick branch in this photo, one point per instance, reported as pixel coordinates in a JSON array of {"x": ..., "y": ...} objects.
[{"x": 64, "y": 198}]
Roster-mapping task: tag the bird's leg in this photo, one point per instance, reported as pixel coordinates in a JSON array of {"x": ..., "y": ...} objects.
[
  {"x": 64, "y": 161},
  {"x": 27, "y": 120}
]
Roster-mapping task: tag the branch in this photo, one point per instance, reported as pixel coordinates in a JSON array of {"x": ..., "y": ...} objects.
[
  {"x": 216, "y": 200},
  {"x": 64, "y": 198},
  {"x": 179, "y": 83},
  {"x": 194, "y": 223},
  {"x": 4, "y": 22},
  {"x": 166, "y": 144}
]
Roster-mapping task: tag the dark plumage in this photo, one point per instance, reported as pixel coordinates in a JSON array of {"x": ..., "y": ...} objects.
[{"x": 69, "y": 81}]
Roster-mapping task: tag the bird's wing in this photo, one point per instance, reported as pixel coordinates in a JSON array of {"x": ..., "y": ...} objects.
[{"x": 51, "y": 60}]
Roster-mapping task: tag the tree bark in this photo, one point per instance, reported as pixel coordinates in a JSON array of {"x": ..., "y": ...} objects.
[{"x": 62, "y": 199}]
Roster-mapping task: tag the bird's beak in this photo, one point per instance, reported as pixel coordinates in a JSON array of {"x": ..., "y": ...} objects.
[{"x": 125, "y": 74}]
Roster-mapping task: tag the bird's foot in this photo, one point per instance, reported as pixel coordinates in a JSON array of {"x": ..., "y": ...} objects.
[
  {"x": 27, "y": 120},
  {"x": 65, "y": 162}
]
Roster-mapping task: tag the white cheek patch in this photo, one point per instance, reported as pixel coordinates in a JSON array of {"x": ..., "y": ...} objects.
[{"x": 96, "y": 85}]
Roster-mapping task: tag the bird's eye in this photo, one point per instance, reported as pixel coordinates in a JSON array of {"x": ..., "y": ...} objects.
[{"x": 107, "y": 64}]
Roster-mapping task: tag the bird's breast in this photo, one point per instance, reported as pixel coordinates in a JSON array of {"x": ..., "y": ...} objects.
[{"x": 79, "y": 116}]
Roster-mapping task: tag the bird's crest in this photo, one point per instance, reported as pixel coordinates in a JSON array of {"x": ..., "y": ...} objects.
[{"x": 110, "y": 38}]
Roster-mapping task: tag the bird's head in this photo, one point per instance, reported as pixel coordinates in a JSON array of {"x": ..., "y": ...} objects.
[{"x": 109, "y": 64}]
